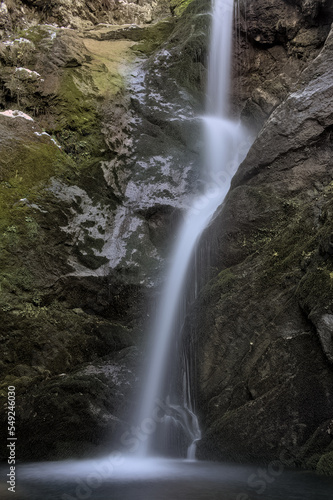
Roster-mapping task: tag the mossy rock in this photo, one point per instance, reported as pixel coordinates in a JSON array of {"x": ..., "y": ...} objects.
[
  {"x": 26, "y": 166},
  {"x": 178, "y": 6},
  {"x": 315, "y": 289},
  {"x": 154, "y": 36},
  {"x": 312, "y": 462},
  {"x": 85, "y": 406},
  {"x": 325, "y": 464},
  {"x": 188, "y": 44},
  {"x": 76, "y": 110},
  {"x": 37, "y": 34}
]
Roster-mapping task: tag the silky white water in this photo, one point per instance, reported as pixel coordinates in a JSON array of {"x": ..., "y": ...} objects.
[
  {"x": 119, "y": 477},
  {"x": 219, "y": 62},
  {"x": 225, "y": 147}
]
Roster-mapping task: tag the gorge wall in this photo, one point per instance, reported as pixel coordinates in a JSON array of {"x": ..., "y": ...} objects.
[
  {"x": 100, "y": 151},
  {"x": 264, "y": 319},
  {"x": 99, "y": 154}
]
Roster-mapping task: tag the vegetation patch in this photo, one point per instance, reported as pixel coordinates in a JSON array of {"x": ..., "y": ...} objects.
[
  {"x": 26, "y": 168},
  {"x": 188, "y": 44},
  {"x": 178, "y": 6},
  {"x": 325, "y": 464},
  {"x": 154, "y": 36}
]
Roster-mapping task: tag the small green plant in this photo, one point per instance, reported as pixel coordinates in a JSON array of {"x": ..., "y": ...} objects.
[
  {"x": 32, "y": 227},
  {"x": 37, "y": 299},
  {"x": 11, "y": 229},
  {"x": 31, "y": 311}
]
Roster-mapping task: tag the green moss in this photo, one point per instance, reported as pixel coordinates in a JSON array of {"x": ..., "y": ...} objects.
[
  {"x": 31, "y": 163},
  {"x": 315, "y": 290},
  {"x": 26, "y": 169},
  {"x": 78, "y": 128},
  {"x": 54, "y": 337},
  {"x": 312, "y": 462},
  {"x": 19, "y": 54},
  {"x": 188, "y": 44},
  {"x": 105, "y": 82},
  {"x": 289, "y": 252},
  {"x": 76, "y": 110},
  {"x": 178, "y": 6},
  {"x": 15, "y": 278},
  {"x": 281, "y": 245},
  {"x": 224, "y": 281},
  {"x": 18, "y": 382},
  {"x": 154, "y": 36},
  {"x": 36, "y": 33},
  {"x": 325, "y": 464},
  {"x": 220, "y": 288}
]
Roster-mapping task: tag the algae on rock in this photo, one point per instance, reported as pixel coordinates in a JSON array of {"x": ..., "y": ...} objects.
[{"x": 86, "y": 210}]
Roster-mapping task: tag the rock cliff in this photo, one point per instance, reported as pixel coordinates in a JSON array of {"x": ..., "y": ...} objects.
[
  {"x": 99, "y": 154},
  {"x": 264, "y": 319},
  {"x": 100, "y": 151}
]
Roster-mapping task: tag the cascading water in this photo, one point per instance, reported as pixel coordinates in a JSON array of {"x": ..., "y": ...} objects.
[
  {"x": 225, "y": 148},
  {"x": 130, "y": 478}
]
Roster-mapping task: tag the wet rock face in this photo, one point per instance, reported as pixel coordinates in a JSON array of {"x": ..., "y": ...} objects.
[
  {"x": 302, "y": 119},
  {"x": 313, "y": 9},
  {"x": 324, "y": 327},
  {"x": 78, "y": 12},
  {"x": 97, "y": 165},
  {"x": 270, "y": 22},
  {"x": 81, "y": 413},
  {"x": 278, "y": 40},
  {"x": 90, "y": 206},
  {"x": 265, "y": 329}
]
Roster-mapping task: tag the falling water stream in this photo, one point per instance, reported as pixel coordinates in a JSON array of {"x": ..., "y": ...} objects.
[
  {"x": 122, "y": 477},
  {"x": 225, "y": 147}
]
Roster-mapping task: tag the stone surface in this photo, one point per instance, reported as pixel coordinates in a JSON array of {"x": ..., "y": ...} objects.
[
  {"x": 277, "y": 41},
  {"x": 99, "y": 152},
  {"x": 264, "y": 321},
  {"x": 78, "y": 413},
  {"x": 98, "y": 158},
  {"x": 79, "y": 13},
  {"x": 325, "y": 331}
]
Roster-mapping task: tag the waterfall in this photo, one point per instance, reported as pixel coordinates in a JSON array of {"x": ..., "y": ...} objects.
[
  {"x": 162, "y": 413},
  {"x": 219, "y": 62}
]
